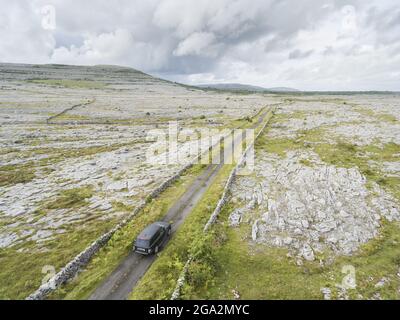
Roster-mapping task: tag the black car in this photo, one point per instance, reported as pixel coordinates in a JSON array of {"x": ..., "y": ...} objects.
[{"x": 151, "y": 239}]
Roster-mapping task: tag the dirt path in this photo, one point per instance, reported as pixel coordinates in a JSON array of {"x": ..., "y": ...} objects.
[{"x": 120, "y": 283}]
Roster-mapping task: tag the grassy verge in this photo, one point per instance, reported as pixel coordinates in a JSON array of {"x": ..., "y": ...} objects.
[{"x": 106, "y": 260}]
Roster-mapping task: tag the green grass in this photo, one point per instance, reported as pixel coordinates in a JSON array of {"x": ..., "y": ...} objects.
[
  {"x": 386, "y": 118},
  {"x": 340, "y": 154},
  {"x": 72, "y": 84},
  {"x": 107, "y": 259},
  {"x": 27, "y": 171},
  {"x": 72, "y": 117},
  {"x": 255, "y": 272},
  {"x": 347, "y": 155},
  {"x": 381, "y": 117},
  {"x": 71, "y": 198},
  {"x": 8, "y": 150},
  {"x": 14, "y": 174},
  {"x": 119, "y": 206},
  {"x": 21, "y": 271},
  {"x": 277, "y": 146}
]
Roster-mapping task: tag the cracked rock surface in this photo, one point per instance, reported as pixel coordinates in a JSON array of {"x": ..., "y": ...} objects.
[
  {"x": 310, "y": 209},
  {"x": 297, "y": 201}
]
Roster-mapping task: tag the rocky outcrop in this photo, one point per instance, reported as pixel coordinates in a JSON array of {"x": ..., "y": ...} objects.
[{"x": 311, "y": 209}]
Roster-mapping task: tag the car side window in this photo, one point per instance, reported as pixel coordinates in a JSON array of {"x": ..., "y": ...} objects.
[{"x": 155, "y": 237}]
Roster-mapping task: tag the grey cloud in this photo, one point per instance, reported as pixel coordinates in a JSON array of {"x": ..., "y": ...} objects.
[
  {"x": 228, "y": 40},
  {"x": 298, "y": 54}
]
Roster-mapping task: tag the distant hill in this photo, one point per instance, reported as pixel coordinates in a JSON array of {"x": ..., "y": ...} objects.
[
  {"x": 283, "y": 89},
  {"x": 244, "y": 87}
]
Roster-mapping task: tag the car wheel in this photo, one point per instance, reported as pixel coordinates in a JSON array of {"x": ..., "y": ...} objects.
[{"x": 156, "y": 250}]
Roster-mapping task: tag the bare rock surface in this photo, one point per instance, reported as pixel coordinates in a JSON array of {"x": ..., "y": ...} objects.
[{"x": 311, "y": 209}]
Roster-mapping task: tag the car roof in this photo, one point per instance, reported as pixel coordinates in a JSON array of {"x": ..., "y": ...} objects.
[{"x": 149, "y": 231}]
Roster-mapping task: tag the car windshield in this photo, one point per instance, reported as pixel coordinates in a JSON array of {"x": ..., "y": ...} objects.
[{"x": 142, "y": 243}]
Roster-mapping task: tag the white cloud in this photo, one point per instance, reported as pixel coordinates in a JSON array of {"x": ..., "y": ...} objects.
[
  {"x": 198, "y": 43},
  {"x": 353, "y": 44}
]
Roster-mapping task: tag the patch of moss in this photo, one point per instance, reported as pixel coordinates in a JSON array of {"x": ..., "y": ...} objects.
[
  {"x": 72, "y": 84},
  {"x": 13, "y": 174},
  {"x": 387, "y": 118},
  {"x": 72, "y": 117},
  {"x": 381, "y": 117},
  {"x": 21, "y": 271},
  {"x": 277, "y": 146},
  {"x": 306, "y": 162},
  {"x": 71, "y": 198},
  {"x": 120, "y": 206}
]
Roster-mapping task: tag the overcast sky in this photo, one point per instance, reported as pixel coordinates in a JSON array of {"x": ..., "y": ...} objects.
[{"x": 305, "y": 44}]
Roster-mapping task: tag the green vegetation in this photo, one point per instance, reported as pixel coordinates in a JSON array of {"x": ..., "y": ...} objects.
[
  {"x": 160, "y": 280},
  {"x": 27, "y": 171},
  {"x": 255, "y": 272},
  {"x": 306, "y": 162},
  {"x": 6, "y": 150},
  {"x": 348, "y": 155},
  {"x": 190, "y": 240},
  {"x": 277, "y": 146},
  {"x": 380, "y": 117},
  {"x": 72, "y": 117},
  {"x": 119, "y": 206},
  {"x": 71, "y": 84},
  {"x": 248, "y": 119},
  {"x": 21, "y": 265},
  {"x": 71, "y": 198},
  {"x": 386, "y": 118},
  {"x": 13, "y": 174},
  {"x": 260, "y": 272},
  {"x": 106, "y": 260},
  {"x": 340, "y": 154}
]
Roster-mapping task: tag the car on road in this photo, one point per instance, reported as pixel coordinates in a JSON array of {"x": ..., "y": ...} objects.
[{"x": 151, "y": 239}]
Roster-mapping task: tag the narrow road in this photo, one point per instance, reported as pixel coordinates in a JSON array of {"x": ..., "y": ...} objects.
[
  {"x": 120, "y": 283},
  {"x": 122, "y": 280}
]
